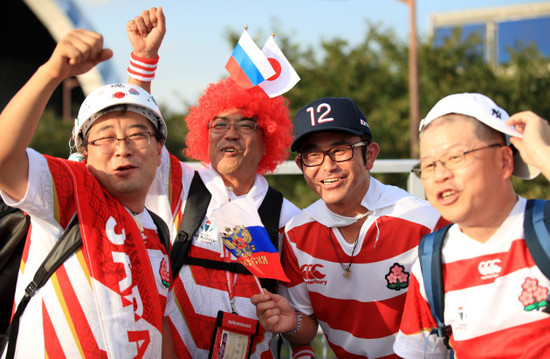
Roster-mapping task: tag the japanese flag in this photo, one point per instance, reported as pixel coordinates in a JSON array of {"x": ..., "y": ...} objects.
[{"x": 285, "y": 76}]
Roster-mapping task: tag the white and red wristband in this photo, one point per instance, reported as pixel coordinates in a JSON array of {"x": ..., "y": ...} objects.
[
  {"x": 142, "y": 69},
  {"x": 303, "y": 352}
]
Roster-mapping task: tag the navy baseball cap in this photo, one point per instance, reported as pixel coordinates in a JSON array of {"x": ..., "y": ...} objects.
[{"x": 339, "y": 114}]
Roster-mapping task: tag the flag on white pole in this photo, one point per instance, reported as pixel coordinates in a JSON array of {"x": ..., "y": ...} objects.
[
  {"x": 248, "y": 66},
  {"x": 285, "y": 76}
]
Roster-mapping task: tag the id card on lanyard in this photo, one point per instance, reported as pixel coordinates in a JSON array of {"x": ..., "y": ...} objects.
[{"x": 233, "y": 336}]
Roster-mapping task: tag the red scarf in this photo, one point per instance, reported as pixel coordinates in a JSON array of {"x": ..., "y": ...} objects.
[{"x": 123, "y": 282}]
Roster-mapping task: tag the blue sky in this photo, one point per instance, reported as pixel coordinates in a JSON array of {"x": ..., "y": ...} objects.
[{"x": 195, "y": 48}]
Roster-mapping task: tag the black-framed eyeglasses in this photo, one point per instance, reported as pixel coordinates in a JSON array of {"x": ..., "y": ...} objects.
[
  {"x": 450, "y": 161},
  {"x": 136, "y": 140},
  {"x": 221, "y": 125},
  {"x": 340, "y": 153}
]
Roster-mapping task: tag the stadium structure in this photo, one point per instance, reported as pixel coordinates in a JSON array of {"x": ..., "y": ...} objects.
[
  {"x": 501, "y": 28},
  {"x": 30, "y": 30}
]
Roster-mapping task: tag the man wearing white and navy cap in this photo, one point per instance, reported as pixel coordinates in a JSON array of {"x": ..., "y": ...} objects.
[
  {"x": 348, "y": 255},
  {"x": 495, "y": 296}
]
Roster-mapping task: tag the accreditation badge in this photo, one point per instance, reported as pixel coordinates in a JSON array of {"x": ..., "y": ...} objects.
[
  {"x": 233, "y": 336},
  {"x": 208, "y": 233}
]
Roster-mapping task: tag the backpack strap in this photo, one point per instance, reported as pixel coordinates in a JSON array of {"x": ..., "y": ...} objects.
[
  {"x": 67, "y": 244},
  {"x": 429, "y": 254},
  {"x": 270, "y": 214},
  {"x": 536, "y": 230},
  {"x": 162, "y": 230},
  {"x": 14, "y": 226},
  {"x": 193, "y": 215}
]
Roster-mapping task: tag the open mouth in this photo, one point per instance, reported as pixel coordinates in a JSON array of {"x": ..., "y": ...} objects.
[
  {"x": 330, "y": 180},
  {"x": 124, "y": 168},
  {"x": 447, "y": 194}
]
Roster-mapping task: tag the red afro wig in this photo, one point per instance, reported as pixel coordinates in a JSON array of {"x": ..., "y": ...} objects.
[{"x": 271, "y": 114}]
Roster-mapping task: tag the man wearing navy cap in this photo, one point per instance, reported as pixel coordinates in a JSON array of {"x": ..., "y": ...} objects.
[{"x": 348, "y": 255}]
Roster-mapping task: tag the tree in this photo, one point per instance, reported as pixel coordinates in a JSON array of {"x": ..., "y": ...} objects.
[{"x": 374, "y": 73}]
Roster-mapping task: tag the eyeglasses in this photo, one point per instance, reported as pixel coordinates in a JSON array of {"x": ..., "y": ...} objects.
[
  {"x": 136, "y": 140},
  {"x": 449, "y": 161},
  {"x": 219, "y": 125},
  {"x": 340, "y": 153}
]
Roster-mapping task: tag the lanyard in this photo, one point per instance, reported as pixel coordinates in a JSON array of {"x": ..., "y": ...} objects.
[{"x": 231, "y": 278}]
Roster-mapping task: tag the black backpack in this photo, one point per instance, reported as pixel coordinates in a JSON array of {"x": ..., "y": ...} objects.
[
  {"x": 193, "y": 215},
  {"x": 14, "y": 225},
  {"x": 537, "y": 237}
]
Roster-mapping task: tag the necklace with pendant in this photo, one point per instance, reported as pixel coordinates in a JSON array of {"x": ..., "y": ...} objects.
[{"x": 347, "y": 269}]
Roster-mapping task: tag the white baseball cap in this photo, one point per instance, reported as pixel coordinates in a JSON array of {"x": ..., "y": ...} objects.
[
  {"x": 107, "y": 98},
  {"x": 483, "y": 109}
]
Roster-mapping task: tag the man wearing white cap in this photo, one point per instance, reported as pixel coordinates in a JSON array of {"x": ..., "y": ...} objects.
[
  {"x": 495, "y": 296},
  {"x": 108, "y": 298}
]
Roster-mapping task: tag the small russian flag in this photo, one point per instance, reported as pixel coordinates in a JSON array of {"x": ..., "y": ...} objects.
[
  {"x": 243, "y": 234},
  {"x": 248, "y": 66}
]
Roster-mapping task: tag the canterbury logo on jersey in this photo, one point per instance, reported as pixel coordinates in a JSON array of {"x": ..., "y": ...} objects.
[
  {"x": 312, "y": 273},
  {"x": 489, "y": 269}
]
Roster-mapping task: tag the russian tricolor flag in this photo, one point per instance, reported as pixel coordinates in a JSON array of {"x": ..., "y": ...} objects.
[
  {"x": 242, "y": 233},
  {"x": 248, "y": 66}
]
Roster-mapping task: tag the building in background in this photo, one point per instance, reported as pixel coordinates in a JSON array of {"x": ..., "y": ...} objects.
[
  {"x": 30, "y": 31},
  {"x": 500, "y": 28}
]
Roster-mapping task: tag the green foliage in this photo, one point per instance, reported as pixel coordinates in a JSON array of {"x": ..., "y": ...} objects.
[
  {"x": 52, "y": 136},
  {"x": 177, "y": 132},
  {"x": 374, "y": 72}
]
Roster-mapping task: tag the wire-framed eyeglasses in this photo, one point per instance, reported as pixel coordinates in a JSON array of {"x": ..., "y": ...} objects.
[
  {"x": 450, "y": 161},
  {"x": 137, "y": 140},
  {"x": 221, "y": 125},
  {"x": 340, "y": 153}
]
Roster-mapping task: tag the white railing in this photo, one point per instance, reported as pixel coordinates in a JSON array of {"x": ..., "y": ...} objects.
[{"x": 414, "y": 185}]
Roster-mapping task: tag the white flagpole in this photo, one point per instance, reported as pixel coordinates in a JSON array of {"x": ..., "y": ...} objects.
[{"x": 258, "y": 283}]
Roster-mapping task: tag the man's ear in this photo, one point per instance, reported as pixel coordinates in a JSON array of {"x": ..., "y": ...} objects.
[
  {"x": 373, "y": 149},
  {"x": 507, "y": 161},
  {"x": 299, "y": 163}
]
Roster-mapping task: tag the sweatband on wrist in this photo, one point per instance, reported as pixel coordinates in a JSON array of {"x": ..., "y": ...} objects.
[
  {"x": 304, "y": 352},
  {"x": 142, "y": 69}
]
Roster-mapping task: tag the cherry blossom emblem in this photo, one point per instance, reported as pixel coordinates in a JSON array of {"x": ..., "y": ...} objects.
[
  {"x": 397, "y": 278},
  {"x": 164, "y": 273},
  {"x": 533, "y": 295}
]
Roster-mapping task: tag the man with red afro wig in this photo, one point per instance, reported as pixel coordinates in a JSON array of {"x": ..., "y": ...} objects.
[
  {"x": 271, "y": 116},
  {"x": 238, "y": 135}
]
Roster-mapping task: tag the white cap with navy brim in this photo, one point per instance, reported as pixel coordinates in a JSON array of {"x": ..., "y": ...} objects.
[{"x": 485, "y": 110}]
